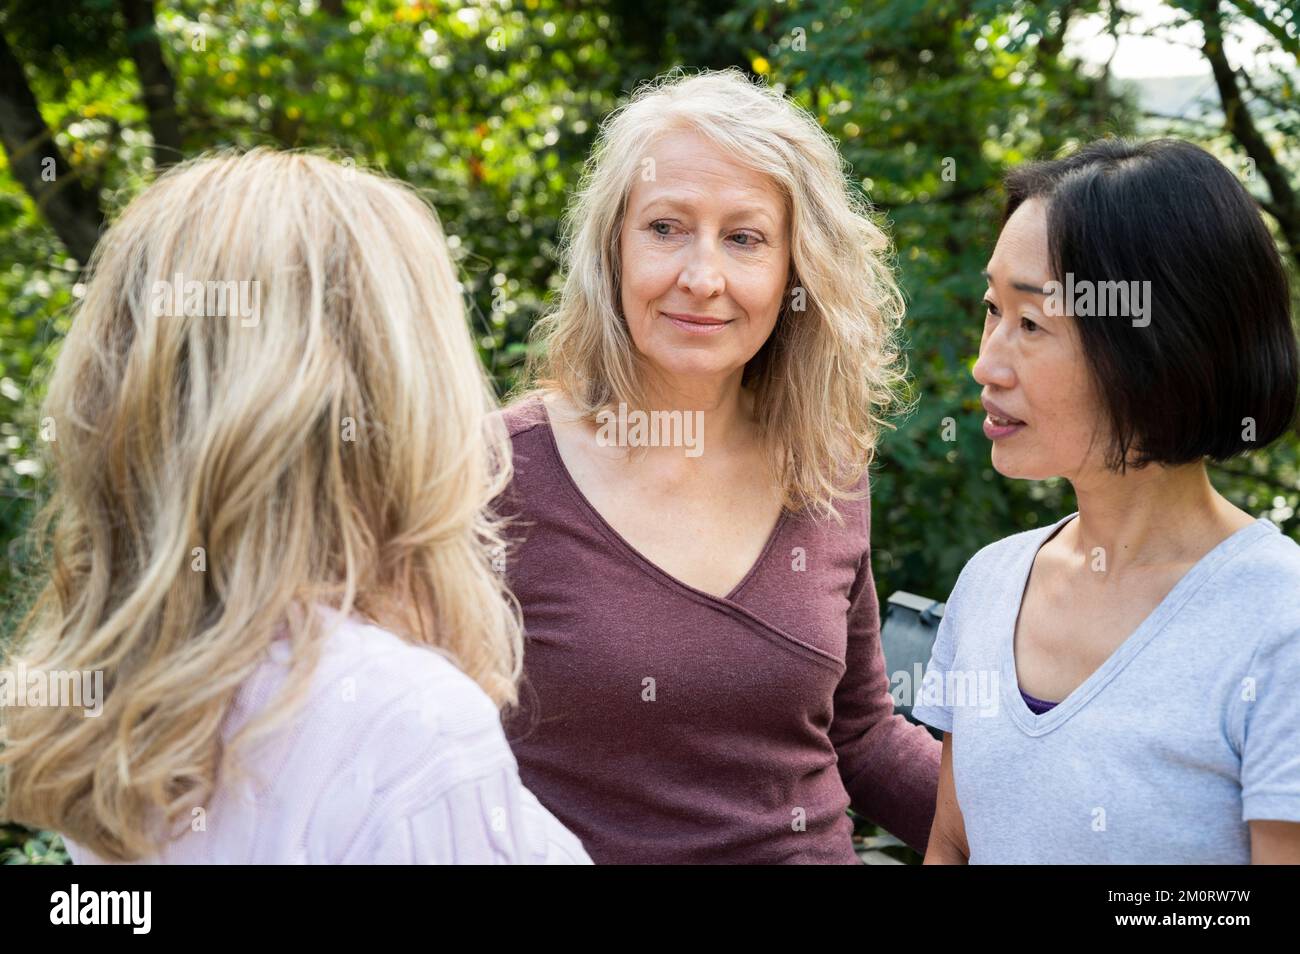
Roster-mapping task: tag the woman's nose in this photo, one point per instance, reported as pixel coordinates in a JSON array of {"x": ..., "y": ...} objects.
[
  {"x": 992, "y": 367},
  {"x": 702, "y": 276}
]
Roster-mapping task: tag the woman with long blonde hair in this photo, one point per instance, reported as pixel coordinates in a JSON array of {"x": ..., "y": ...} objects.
[
  {"x": 272, "y": 450},
  {"x": 704, "y": 679}
]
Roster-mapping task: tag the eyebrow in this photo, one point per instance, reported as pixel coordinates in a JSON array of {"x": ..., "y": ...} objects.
[
  {"x": 1019, "y": 286},
  {"x": 680, "y": 204}
]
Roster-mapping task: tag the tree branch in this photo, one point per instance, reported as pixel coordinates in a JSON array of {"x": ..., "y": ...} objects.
[
  {"x": 1267, "y": 480},
  {"x": 1285, "y": 40},
  {"x": 70, "y": 208},
  {"x": 157, "y": 85},
  {"x": 1238, "y": 121}
]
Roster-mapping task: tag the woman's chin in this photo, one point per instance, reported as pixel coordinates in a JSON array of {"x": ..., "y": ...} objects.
[
  {"x": 686, "y": 365},
  {"x": 1017, "y": 466}
]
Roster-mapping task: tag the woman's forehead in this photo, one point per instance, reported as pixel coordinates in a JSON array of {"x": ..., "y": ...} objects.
[
  {"x": 1022, "y": 244},
  {"x": 688, "y": 171}
]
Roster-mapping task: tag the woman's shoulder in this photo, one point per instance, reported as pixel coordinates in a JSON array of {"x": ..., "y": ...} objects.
[
  {"x": 358, "y": 656},
  {"x": 1259, "y": 580},
  {"x": 383, "y": 724},
  {"x": 428, "y": 767},
  {"x": 1275, "y": 559},
  {"x": 366, "y": 677},
  {"x": 994, "y": 557},
  {"x": 384, "y": 710},
  {"x": 988, "y": 569},
  {"x": 524, "y": 413},
  {"x": 539, "y": 423}
]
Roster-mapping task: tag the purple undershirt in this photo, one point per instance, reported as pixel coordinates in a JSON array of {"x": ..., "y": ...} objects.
[{"x": 1036, "y": 706}]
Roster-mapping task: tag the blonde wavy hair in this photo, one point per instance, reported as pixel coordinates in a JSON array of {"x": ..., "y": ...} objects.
[
  {"x": 339, "y": 450},
  {"x": 829, "y": 374}
]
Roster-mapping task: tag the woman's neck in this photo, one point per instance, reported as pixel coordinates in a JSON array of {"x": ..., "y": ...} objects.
[
  {"x": 1155, "y": 516},
  {"x": 726, "y": 407}
]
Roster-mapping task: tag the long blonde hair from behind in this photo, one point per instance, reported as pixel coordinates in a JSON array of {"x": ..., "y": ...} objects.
[
  {"x": 217, "y": 477},
  {"x": 828, "y": 376}
]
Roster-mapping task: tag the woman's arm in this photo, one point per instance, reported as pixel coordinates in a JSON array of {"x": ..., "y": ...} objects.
[
  {"x": 489, "y": 819},
  {"x": 948, "y": 836},
  {"x": 890, "y": 767},
  {"x": 1274, "y": 842},
  {"x": 1270, "y": 756}
]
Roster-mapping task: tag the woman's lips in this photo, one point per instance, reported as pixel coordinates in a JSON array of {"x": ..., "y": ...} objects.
[
  {"x": 996, "y": 428},
  {"x": 697, "y": 324},
  {"x": 998, "y": 423}
]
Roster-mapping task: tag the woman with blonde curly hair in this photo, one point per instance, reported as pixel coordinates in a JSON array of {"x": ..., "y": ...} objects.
[
  {"x": 273, "y": 445},
  {"x": 704, "y": 679}
]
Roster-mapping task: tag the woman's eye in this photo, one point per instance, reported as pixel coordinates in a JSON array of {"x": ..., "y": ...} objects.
[
  {"x": 667, "y": 226},
  {"x": 750, "y": 239},
  {"x": 992, "y": 309},
  {"x": 1029, "y": 324}
]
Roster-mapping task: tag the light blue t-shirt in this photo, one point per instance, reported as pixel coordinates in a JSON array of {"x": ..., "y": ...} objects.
[{"x": 1161, "y": 756}]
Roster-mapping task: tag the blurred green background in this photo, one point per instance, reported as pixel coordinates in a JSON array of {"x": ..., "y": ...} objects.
[{"x": 491, "y": 108}]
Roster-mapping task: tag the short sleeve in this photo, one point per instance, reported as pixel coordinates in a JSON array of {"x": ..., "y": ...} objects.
[
  {"x": 1270, "y": 754},
  {"x": 931, "y": 706}
]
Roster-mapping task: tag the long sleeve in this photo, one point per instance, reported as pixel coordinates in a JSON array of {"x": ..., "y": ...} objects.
[
  {"x": 491, "y": 819},
  {"x": 889, "y": 766}
]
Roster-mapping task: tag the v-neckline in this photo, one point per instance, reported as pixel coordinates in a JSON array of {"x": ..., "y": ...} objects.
[
  {"x": 1155, "y": 621},
  {"x": 636, "y": 555}
]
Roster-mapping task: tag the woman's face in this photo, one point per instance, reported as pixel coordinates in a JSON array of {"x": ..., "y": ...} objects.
[
  {"x": 705, "y": 256},
  {"x": 1031, "y": 364}
]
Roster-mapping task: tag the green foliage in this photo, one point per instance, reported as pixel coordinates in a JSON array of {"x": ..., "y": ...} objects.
[
  {"x": 35, "y": 290},
  {"x": 491, "y": 110},
  {"x": 19, "y": 846}
]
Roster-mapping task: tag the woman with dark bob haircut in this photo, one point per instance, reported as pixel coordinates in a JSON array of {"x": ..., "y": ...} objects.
[{"x": 1120, "y": 686}]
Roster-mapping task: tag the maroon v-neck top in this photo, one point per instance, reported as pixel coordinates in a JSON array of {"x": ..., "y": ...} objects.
[{"x": 662, "y": 724}]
